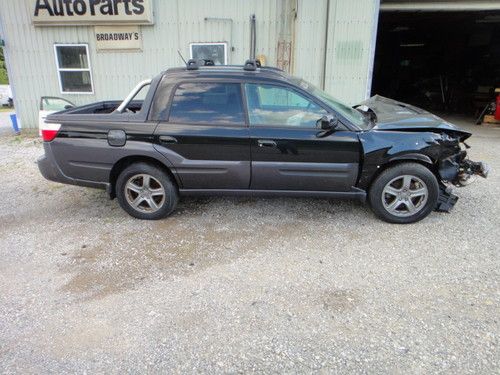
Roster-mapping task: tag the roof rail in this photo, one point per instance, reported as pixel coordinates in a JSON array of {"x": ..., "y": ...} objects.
[
  {"x": 251, "y": 65},
  {"x": 272, "y": 68}
]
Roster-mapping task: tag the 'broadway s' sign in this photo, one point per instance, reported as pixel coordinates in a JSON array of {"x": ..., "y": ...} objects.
[{"x": 92, "y": 12}]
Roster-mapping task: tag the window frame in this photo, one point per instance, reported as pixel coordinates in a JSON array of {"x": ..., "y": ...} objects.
[
  {"x": 59, "y": 69},
  {"x": 298, "y": 91},
  {"x": 244, "y": 124}
]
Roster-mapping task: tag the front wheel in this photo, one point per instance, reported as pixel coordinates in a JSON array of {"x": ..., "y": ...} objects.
[
  {"x": 146, "y": 192},
  {"x": 405, "y": 193}
]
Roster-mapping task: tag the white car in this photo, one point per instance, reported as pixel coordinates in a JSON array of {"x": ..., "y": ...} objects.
[
  {"x": 49, "y": 105},
  {"x": 5, "y": 96}
]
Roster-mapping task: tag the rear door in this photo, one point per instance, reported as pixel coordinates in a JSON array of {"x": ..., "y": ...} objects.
[
  {"x": 204, "y": 135},
  {"x": 288, "y": 151}
]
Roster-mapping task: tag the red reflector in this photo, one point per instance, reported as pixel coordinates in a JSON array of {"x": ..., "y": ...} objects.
[
  {"x": 49, "y": 131},
  {"x": 49, "y": 135}
]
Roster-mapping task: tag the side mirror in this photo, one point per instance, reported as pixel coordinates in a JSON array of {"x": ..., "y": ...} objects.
[
  {"x": 328, "y": 123},
  {"x": 68, "y": 106}
]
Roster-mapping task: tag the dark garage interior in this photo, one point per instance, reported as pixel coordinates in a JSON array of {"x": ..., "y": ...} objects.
[{"x": 443, "y": 61}]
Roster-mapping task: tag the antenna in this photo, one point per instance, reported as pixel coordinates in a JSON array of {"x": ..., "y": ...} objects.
[{"x": 180, "y": 54}]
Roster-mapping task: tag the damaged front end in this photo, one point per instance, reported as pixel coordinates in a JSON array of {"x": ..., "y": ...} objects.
[
  {"x": 459, "y": 171},
  {"x": 442, "y": 143}
]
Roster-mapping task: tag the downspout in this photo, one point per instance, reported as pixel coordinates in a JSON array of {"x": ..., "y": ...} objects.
[{"x": 323, "y": 73}]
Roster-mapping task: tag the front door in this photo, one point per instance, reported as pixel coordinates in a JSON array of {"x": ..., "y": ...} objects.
[
  {"x": 205, "y": 137},
  {"x": 288, "y": 151}
]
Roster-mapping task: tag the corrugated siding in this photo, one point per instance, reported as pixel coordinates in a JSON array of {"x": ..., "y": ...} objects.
[
  {"x": 349, "y": 53},
  {"x": 309, "y": 51},
  {"x": 179, "y": 22}
]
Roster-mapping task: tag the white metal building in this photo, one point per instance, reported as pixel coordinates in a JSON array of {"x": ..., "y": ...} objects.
[
  {"x": 91, "y": 50},
  {"x": 82, "y": 52}
]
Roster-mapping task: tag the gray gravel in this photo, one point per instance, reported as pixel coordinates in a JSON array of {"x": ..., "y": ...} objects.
[{"x": 244, "y": 285}]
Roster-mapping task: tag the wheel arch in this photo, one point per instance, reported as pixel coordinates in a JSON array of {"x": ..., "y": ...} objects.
[
  {"x": 407, "y": 158},
  {"x": 126, "y": 161},
  {"x": 412, "y": 157}
]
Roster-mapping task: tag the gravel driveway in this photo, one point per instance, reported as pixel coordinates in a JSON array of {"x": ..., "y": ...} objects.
[{"x": 244, "y": 285}]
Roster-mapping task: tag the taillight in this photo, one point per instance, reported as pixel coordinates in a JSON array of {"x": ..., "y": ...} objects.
[{"x": 49, "y": 131}]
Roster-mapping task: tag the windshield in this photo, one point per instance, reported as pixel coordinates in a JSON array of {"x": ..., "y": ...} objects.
[{"x": 354, "y": 116}]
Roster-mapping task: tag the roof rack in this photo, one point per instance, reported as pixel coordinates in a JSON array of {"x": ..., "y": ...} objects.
[
  {"x": 251, "y": 65},
  {"x": 194, "y": 64}
]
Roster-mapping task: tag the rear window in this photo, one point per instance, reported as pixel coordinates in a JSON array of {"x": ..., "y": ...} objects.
[{"x": 207, "y": 103}]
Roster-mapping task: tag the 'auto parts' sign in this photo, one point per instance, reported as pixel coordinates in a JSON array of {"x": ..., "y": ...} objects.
[{"x": 92, "y": 12}]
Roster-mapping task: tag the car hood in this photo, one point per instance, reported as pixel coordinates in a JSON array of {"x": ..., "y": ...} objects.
[{"x": 394, "y": 115}]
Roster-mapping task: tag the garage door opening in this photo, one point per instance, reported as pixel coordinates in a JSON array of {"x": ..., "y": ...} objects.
[{"x": 447, "y": 62}]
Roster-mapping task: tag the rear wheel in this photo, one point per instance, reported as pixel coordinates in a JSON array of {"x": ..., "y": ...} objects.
[
  {"x": 405, "y": 193},
  {"x": 146, "y": 192}
]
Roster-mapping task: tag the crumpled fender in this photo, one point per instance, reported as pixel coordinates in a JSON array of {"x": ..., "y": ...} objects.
[{"x": 382, "y": 147}]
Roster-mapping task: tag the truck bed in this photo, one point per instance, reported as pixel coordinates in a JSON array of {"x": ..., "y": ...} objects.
[{"x": 102, "y": 108}]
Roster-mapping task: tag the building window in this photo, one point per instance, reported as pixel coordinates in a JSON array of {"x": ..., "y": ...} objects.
[
  {"x": 73, "y": 68},
  {"x": 217, "y": 52}
]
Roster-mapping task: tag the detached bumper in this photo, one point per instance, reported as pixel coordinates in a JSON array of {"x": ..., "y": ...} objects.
[{"x": 446, "y": 199}]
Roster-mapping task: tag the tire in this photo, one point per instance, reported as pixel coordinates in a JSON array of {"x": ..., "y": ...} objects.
[
  {"x": 405, "y": 193},
  {"x": 146, "y": 192}
]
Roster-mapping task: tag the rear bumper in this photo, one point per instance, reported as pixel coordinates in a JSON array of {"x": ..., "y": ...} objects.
[{"x": 50, "y": 170}]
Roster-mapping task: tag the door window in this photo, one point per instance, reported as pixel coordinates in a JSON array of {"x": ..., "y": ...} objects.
[
  {"x": 207, "y": 103},
  {"x": 276, "y": 105},
  {"x": 48, "y": 103}
]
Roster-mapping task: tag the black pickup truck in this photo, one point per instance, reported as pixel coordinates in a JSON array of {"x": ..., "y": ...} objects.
[{"x": 258, "y": 131}]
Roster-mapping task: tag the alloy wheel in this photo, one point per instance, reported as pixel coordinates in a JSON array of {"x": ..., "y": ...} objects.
[
  {"x": 145, "y": 193},
  {"x": 405, "y": 195}
]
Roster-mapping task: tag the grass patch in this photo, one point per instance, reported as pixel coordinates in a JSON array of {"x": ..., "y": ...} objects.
[
  {"x": 26, "y": 138},
  {"x": 16, "y": 139}
]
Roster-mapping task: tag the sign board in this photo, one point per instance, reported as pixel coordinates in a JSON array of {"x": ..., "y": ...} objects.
[
  {"x": 211, "y": 51},
  {"x": 118, "y": 38},
  {"x": 91, "y": 12}
]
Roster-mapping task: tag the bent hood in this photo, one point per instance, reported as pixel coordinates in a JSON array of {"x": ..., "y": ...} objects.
[{"x": 394, "y": 115}]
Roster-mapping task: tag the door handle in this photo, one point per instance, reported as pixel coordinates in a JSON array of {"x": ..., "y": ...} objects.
[
  {"x": 266, "y": 143},
  {"x": 167, "y": 139}
]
